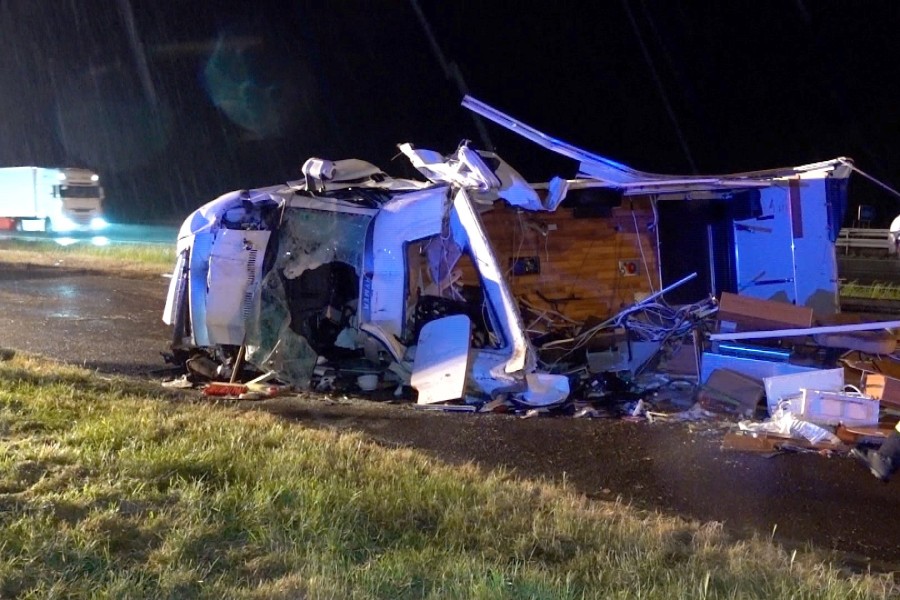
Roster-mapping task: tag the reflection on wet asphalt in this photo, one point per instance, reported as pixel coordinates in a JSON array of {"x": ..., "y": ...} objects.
[{"x": 85, "y": 318}]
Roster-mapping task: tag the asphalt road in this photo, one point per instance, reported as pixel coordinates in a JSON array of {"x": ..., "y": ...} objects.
[
  {"x": 113, "y": 325},
  {"x": 115, "y": 233}
]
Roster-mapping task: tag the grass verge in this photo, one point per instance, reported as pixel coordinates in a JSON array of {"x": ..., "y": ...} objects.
[
  {"x": 120, "y": 489},
  {"x": 121, "y": 258},
  {"x": 873, "y": 291}
]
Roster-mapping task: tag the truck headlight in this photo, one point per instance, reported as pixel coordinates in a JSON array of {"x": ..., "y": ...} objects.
[{"x": 63, "y": 224}]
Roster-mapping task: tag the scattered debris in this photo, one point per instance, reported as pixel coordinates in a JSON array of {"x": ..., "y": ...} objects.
[
  {"x": 367, "y": 382},
  {"x": 534, "y": 412},
  {"x": 781, "y": 387},
  {"x": 218, "y": 388},
  {"x": 883, "y": 388},
  {"x": 182, "y": 382},
  {"x": 730, "y": 391},
  {"x": 497, "y": 405},
  {"x": 772, "y": 444},
  {"x": 587, "y": 412},
  {"x": 869, "y": 436},
  {"x": 448, "y": 407}
]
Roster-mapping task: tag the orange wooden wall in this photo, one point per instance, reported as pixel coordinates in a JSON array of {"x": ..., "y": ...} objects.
[{"x": 579, "y": 258}]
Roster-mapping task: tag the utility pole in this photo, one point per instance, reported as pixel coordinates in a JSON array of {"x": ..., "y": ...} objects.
[{"x": 452, "y": 72}]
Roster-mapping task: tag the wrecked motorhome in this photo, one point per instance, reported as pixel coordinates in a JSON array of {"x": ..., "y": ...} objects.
[
  {"x": 617, "y": 293},
  {"x": 352, "y": 273}
]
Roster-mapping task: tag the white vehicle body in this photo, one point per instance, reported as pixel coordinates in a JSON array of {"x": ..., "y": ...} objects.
[
  {"x": 288, "y": 275},
  {"x": 300, "y": 271},
  {"x": 51, "y": 199}
]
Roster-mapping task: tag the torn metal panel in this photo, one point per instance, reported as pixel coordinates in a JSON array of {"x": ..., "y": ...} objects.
[
  {"x": 466, "y": 169},
  {"x": 426, "y": 213},
  {"x": 610, "y": 173},
  {"x": 485, "y": 176},
  {"x": 404, "y": 219},
  {"x": 517, "y": 354}
]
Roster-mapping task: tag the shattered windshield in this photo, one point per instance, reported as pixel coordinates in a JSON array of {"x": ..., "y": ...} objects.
[{"x": 310, "y": 294}]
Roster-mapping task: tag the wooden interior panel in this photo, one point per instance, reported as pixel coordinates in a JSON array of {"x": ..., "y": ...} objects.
[{"x": 579, "y": 257}]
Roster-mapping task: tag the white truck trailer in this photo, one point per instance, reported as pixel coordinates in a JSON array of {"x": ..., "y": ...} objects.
[{"x": 51, "y": 199}]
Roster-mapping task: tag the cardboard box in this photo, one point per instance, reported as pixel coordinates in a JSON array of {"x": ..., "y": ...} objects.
[
  {"x": 744, "y": 313},
  {"x": 884, "y": 388}
]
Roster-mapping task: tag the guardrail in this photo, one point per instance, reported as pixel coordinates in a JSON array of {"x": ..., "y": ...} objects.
[{"x": 851, "y": 238}]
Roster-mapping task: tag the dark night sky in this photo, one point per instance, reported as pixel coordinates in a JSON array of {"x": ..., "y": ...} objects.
[{"x": 177, "y": 101}]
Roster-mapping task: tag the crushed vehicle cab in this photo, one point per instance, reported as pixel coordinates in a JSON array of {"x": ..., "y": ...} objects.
[{"x": 351, "y": 271}]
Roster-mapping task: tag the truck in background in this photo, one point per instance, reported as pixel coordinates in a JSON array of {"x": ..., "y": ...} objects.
[{"x": 51, "y": 199}]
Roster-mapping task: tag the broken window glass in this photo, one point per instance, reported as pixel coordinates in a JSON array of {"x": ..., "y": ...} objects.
[{"x": 310, "y": 294}]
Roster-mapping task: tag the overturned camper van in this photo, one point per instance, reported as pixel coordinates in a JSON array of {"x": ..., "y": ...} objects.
[
  {"x": 349, "y": 265},
  {"x": 421, "y": 282}
]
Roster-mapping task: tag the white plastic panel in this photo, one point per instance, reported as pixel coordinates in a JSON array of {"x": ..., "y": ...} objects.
[
  {"x": 235, "y": 267},
  {"x": 780, "y": 387},
  {"x": 442, "y": 359}
]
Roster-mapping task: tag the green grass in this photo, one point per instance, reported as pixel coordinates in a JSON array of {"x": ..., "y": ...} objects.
[
  {"x": 138, "y": 258},
  {"x": 121, "y": 489},
  {"x": 874, "y": 291}
]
